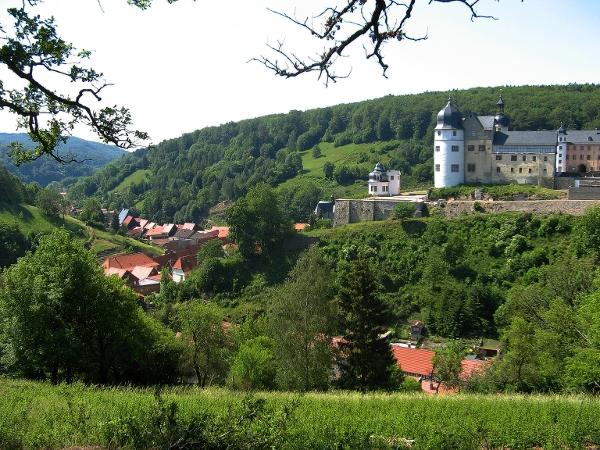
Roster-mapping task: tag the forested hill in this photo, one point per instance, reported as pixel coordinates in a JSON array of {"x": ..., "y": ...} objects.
[
  {"x": 181, "y": 178},
  {"x": 46, "y": 170}
]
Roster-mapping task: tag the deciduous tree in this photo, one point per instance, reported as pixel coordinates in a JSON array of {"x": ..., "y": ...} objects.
[{"x": 302, "y": 320}]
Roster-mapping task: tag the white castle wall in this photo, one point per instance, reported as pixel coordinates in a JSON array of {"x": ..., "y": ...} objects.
[{"x": 445, "y": 157}]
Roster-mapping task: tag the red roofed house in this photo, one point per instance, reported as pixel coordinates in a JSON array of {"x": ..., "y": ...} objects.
[
  {"x": 187, "y": 226},
  {"x": 156, "y": 233},
  {"x": 299, "y": 227},
  {"x": 130, "y": 222},
  {"x": 182, "y": 267},
  {"x": 128, "y": 262},
  {"x": 418, "y": 363},
  {"x": 223, "y": 232}
]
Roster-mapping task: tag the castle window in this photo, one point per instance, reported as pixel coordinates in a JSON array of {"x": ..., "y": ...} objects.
[
  {"x": 455, "y": 148},
  {"x": 482, "y": 148},
  {"x": 439, "y": 133},
  {"x": 513, "y": 157},
  {"x": 581, "y": 147},
  {"x": 374, "y": 188},
  {"x": 567, "y": 157},
  {"x": 545, "y": 158},
  {"x": 471, "y": 148},
  {"x": 454, "y": 168},
  {"x": 512, "y": 169},
  {"x": 497, "y": 169},
  {"x": 559, "y": 168},
  {"x": 453, "y": 133},
  {"x": 470, "y": 167},
  {"x": 589, "y": 157},
  {"x": 392, "y": 178},
  {"x": 529, "y": 170},
  {"x": 437, "y": 167},
  {"x": 534, "y": 158},
  {"x": 520, "y": 170},
  {"x": 437, "y": 148},
  {"x": 580, "y": 157},
  {"x": 498, "y": 157},
  {"x": 524, "y": 157}
]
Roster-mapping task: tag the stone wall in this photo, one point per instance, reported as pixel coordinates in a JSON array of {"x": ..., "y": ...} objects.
[
  {"x": 584, "y": 193},
  {"x": 573, "y": 207},
  {"x": 352, "y": 211}
]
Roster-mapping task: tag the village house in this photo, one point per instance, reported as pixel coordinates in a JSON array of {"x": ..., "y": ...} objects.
[{"x": 418, "y": 363}]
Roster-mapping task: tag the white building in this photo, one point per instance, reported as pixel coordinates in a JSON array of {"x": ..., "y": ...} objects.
[{"x": 384, "y": 183}]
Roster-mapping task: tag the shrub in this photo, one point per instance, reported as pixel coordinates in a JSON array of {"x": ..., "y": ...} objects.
[{"x": 404, "y": 210}]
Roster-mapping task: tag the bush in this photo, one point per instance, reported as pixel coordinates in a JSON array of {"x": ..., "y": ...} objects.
[{"x": 404, "y": 210}]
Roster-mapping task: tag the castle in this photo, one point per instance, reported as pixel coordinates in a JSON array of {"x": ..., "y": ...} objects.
[{"x": 482, "y": 149}]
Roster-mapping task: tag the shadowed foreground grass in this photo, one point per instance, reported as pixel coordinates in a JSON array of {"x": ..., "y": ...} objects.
[{"x": 38, "y": 415}]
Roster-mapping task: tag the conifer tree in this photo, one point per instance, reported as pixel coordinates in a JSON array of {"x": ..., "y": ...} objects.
[{"x": 367, "y": 359}]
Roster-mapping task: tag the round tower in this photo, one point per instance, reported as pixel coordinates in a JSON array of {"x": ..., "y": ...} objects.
[
  {"x": 561, "y": 150},
  {"x": 449, "y": 147}
]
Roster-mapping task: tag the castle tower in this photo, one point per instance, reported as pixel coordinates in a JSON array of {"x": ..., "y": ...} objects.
[
  {"x": 501, "y": 122},
  {"x": 561, "y": 150},
  {"x": 449, "y": 148}
]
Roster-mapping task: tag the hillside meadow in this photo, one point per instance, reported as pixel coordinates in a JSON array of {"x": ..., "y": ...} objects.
[{"x": 38, "y": 415}]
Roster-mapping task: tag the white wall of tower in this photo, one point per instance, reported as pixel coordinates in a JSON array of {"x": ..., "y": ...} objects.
[
  {"x": 448, "y": 165},
  {"x": 561, "y": 154}
]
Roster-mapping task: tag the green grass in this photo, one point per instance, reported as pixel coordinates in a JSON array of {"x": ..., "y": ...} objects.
[
  {"x": 351, "y": 154},
  {"x": 135, "y": 178},
  {"x": 498, "y": 192},
  {"x": 31, "y": 220},
  {"x": 37, "y": 415}
]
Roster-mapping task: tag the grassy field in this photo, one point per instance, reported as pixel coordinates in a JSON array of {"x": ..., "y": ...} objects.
[
  {"x": 37, "y": 415},
  {"x": 135, "y": 178},
  {"x": 31, "y": 220},
  {"x": 350, "y": 154}
]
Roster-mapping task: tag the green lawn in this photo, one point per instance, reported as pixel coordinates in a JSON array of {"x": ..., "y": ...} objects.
[
  {"x": 40, "y": 416},
  {"x": 135, "y": 178},
  {"x": 350, "y": 154},
  {"x": 31, "y": 220}
]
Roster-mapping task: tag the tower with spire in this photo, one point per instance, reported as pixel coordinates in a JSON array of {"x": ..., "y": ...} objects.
[
  {"x": 449, "y": 147},
  {"x": 501, "y": 121}
]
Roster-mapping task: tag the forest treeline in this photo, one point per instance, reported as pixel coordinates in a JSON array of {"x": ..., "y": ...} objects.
[{"x": 187, "y": 175}]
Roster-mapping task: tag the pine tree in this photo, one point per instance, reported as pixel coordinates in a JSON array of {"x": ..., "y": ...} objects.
[{"x": 368, "y": 362}]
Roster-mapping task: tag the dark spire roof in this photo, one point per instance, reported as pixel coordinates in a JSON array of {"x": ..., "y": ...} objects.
[
  {"x": 449, "y": 116},
  {"x": 379, "y": 173},
  {"x": 562, "y": 129},
  {"x": 500, "y": 118}
]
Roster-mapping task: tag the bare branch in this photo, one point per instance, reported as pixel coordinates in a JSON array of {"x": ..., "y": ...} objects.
[{"x": 378, "y": 21}]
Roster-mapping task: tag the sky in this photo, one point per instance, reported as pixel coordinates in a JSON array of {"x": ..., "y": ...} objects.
[{"x": 184, "y": 66}]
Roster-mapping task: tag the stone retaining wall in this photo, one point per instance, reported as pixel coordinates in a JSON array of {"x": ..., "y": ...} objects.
[
  {"x": 573, "y": 207},
  {"x": 352, "y": 211}
]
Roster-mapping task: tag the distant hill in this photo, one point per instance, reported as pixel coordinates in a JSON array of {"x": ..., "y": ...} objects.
[
  {"x": 181, "y": 179},
  {"x": 45, "y": 170}
]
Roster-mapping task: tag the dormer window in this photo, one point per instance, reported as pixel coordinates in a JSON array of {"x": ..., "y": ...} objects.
[{"x": 453, "y": 133}]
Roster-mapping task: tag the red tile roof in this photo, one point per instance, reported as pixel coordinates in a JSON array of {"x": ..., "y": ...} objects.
[
  {"x": 223, "y": 232},
  {"x": 128, "y": 261},
  {"x": 187, "y": 226},
  {"x": 156, "y": 231},
  {"x": 127, "y": 220},
  {"x": 414, "y": 360},
  {"x": 185, "y": 263}
]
